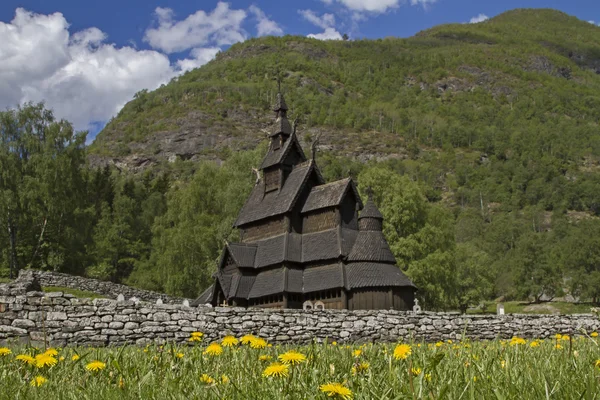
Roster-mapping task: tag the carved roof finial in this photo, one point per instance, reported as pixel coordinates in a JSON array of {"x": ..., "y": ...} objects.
[
  {"x": 313, "y": 146},
  {"x": 257, "y": 172}
]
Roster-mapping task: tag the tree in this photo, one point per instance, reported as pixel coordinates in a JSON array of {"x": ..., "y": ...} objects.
[{"x": 41, "y": 188}]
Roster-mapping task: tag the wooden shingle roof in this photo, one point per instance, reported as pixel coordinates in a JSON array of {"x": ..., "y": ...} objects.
[
  {"x": 329, "y": 195},
  {"x": 369, "y": 274},
  {"x": 276, "y": 156},
  {"x": 261, "y": 205},
  {"x": 371, "y": 246},
  {"x": 370, "y": 211}
]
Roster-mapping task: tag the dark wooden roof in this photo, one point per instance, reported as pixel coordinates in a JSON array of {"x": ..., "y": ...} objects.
[
  {"x": 322, "y": 277},
  {"x": 267, "y": 283},
  {"x": 205, "y": 297},
  {"x": 243, "y": 254},
  {"x": 276, "y": 156},
  {"x": 371, "y": 246},
  {"x": 320, "y": 246},
  {"x": 261, "y": 205},
  {"x": 280, "y": 103},
  {"x": 282, "y": 126},
  {"x": 329, "y": 195},
  {"x": 369, "y": 274},
  {"x": 370, "y": 211}
]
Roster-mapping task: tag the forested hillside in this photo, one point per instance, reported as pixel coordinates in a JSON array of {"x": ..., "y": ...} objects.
[{"x": 481, "y": 143}]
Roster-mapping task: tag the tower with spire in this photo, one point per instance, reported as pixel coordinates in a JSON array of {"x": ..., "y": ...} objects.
[{"x": 304, "y": 243}]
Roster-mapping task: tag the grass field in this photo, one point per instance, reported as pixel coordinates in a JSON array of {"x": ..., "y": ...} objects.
[
  {"x": 558, "y": 368},
  {"x": 521, "y": 307}
]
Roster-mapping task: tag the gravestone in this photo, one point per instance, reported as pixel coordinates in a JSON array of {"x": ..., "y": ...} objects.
[
  {"x": 159, "y": 301},
  {"x": 319, "y": 305},
  {"x": 120, "y": 298},
  {"x": 307, "y": 305},
  {"x": 417, "y": 307},
  {"x": 186, "y": 303},
  {"x": 500, "y": 309},
  {"x": 135, "y": 300}
]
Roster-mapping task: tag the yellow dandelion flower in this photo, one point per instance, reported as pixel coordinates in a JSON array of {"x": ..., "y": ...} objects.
[
  {"x": 360, "y": 368},
  {"x": 402, "y": 351},
  {"x": 258, "y": 343},
  {"x": 565, "y": 338},
  {"x": 357, "y": 353},
  {"x": 51, "y": 352},
  {"x": 26, "y": 359},
  {"x": 277, "y": 370},
  {"x": 75, "y": 357},
  {"x": 597, "y": 364},
  {"x": 95, "y": 366},
  {"x": 44, "y": 360},
  {"x": 594, "y": 334},
  {"x": 515, "y": 341},
  {"x": 229, "y": 341},
  {"x": 474, "y": 379},
  {"x": 558, "y": 346},
  {"x": 336, "y": 391},
  {"x": 206, "y": 379},
  {"x": 449, "y": 341},
  {"x": 558, "y": 336},
  {"x": 38, "y": 381},
  {"x": 264, "y": 357},
  {"x": 534, "y": 343},
  {"x": 61, "y": 358},
  {"x": 416, "y": 371},
  {"x": 225, "y": 379},
  {"x": 4, "y": 351},
  {"x": 179, "y": 355},
  {"x": 467, "y": 364},
  {"x": 502, "y": 364},
  {"x": 334, "y": 343},
  {"x": 195, "y": 337},
  {"x": 292, "y": 357},
  {"x": 439, "y": 344},
  {"x": 247, "y": 339},
  {"x": 121, "y": 383},
  {"x": 428, "y": 377},
  {"x": 214, "y": 349}
]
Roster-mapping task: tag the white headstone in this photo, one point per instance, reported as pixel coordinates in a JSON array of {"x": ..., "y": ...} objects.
[
  {"x": 120, "y": 298},
  {"x": 319, "y": 305},
  {"x": 307, "y": 305},
  {"x": 134, "y": 299},
  {"x": 186, "y": 302},
  {"x": 159, "y": 301},
  {"x": 417, "y": 307},
  {"x": 500, "y": 309}
]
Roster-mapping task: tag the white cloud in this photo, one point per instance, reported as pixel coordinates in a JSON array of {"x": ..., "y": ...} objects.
[
  {"x": 325, "y": 21},
  {"x": 264, "y": 25},
  {"x": 479, "y": 18},
  {"x": 222, "y": 26},
  {"x": 80, "y": 76},
  {"x": 201, "y": 57},
  {"x": 374, "y": 6},
  {"x": 329, "y": 34}
]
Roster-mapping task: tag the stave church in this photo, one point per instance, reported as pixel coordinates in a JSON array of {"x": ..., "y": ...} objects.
[{"x": 306, "y": 243}]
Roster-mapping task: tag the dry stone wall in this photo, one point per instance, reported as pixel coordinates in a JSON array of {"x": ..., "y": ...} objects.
[
  {"x": 105, "y": 288},
  {"x": 26, "y": 314}
]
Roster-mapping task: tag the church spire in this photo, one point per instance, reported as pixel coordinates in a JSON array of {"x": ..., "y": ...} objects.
[{"x": 282, "y": 125}]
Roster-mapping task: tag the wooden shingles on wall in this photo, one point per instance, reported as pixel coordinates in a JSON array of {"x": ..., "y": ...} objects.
[
  {"x": 319, "y": 221},
  {"x": 371, "y": 299},
  {"x": 266, "y": 229}
]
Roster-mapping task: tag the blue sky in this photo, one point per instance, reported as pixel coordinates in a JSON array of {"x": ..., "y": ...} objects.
[{"x": 86, "y": 59}]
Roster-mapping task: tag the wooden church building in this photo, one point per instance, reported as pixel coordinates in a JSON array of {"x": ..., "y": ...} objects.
[{"x": 306, "y": 243}]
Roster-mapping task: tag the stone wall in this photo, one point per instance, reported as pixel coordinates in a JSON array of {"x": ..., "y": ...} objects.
[
  {"x": 30, "y": 315},
  {"x": 105, "y": 288}
]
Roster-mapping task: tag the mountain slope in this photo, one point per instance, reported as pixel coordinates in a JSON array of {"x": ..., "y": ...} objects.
[{"x": 481, "y": 88}]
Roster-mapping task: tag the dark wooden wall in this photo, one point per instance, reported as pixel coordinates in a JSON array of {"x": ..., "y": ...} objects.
[
  {"x": 381, "y": 299},
  {"x": 264, "y": 229},
  {"x": 319, "y": 220},
  {"x": 272, "y": 179},
  {"x": 348, "y": 211}
]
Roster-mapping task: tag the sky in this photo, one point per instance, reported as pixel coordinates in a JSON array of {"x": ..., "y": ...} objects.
[{"x": 86, "y": 59}]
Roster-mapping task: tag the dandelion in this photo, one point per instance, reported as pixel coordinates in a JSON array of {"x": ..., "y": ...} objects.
[
  {"x": 449, "y": 341},
  {"x": 416, "y": 371},
  {"x": 179, "y": 355},
  {"x": 264, "y": 357},
  {"x": 121, "y": 383},
  {"x": 597, "y": 364},
  {"x": 402, "y": 351},
  {"x": 558, "y": 346},
  {"x": 515, "y": 341},
  {"x": 428, "y": 377},
  {"x": 565, "y": 338},
  {"x": 357, "y": 353},
  {"x": 45, "y": 360},
  {"x": 95, "y": 366},
  {"x": 258, "y": 343},
  {"x": 38, "y": 381},
  {"x": 594, "y": 334},
  {"x": 214, "y": 349},
  {"x": 247, "y": 339},
  {"x": 558, "y": 336},
  {"x": 4, "y": 351},
  {"x": 75, "y": 357},
  {"x": 225, "y": 379},
  {"x": 206, "y": 379},
  {"x": 360, "y": 368},
  {"x": 439, "y": 344},
  {"x": 276, "y": 370},
  {"x": 26, "y": 359},
  {"x": 292, "y": 357},
  {"x": 502, "y": 364},
  {"x": 336, "y": 390},
  {"x": 195, "y": 337},
  {"x": 229, "y": 341},
  {"x": 334, "y": 343},
  {"x": 51, "y": 352},
  {"x": 534, "y": 343}
]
